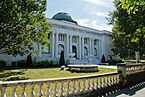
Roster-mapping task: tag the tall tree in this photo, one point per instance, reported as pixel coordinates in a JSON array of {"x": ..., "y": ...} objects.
[
  {"x": 22, "y": 22},
  {"x": 128, "y": 27}
]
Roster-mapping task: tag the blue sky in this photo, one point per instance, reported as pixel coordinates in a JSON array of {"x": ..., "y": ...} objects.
[{"x": 89, "y": 13}]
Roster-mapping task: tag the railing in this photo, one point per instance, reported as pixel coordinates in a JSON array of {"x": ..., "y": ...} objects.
[
  {"x": 59, "y": 87},
  {"x": 131, "y": 73},
  {"x": 81, "y": 86}
]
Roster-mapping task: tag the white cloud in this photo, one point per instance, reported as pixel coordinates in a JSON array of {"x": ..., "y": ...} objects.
[
  {"x": 104, "y": 3},
  {"x": 94, "y": 24},
  {"x": 100, "y": 14}
]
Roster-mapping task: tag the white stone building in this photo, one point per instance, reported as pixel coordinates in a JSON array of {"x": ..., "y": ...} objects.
[{"x": 81, "y": 45}]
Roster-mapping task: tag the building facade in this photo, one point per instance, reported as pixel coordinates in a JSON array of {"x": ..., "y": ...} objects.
[{"x": 81, "y": 45}]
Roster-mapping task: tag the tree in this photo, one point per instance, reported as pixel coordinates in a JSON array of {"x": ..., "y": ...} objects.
[
  {"x": 103, "y": 60},
  {"x": 22, "y": 23},
  {"x": 128, "y": 27},
  {"x": 61, "y": 60}
]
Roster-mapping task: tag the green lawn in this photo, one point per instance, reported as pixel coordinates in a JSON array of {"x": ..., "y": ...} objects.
[{"x": 44, "y": 73}]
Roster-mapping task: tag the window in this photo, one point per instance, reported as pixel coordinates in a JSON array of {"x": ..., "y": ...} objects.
[
  {"x": 95, "y": 52},
  {"x": 74, "y": 39},
  {"x": 46, "y": 49},
  {"x": 61, "y": 37},
  {"x": 95, "y": 42},
  {"x": 85, "y": 40},
  {"x": 85, "y": 51}
]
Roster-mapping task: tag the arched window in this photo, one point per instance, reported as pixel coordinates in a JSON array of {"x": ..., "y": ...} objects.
[
  {"x": 95, "y": 52},
  {"x": 85, "y": 51},
  {"x": 74, "y": 50}
]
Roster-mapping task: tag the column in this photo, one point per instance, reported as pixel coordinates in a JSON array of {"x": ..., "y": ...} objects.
[
  {"x": 56, "y": 48},
  {"x": 52, "y": 49},
  {"x": 90, "y": 47},
  {"x": 70, "y": 44},
  {"x": 93, "y": 47},
  {"x": 67, "y": 45},
  {"x": 79, "y": 47},
  {"x": 100, "y": 49},
  {"x": 82, "y": 47}
]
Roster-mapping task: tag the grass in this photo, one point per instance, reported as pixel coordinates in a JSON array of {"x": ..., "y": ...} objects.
[{"x": 44, "y": 73}]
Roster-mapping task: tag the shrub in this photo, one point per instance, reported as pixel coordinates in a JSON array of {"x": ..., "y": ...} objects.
[
  {"x": 2, "y": 63},
  {"x": 103, "y": 60},
  {"x": 61, "y": 60},
  {"x": 114, "y": 62},
  {"x": 43, "y": 63},
  {"x": 22, "y": 63}
]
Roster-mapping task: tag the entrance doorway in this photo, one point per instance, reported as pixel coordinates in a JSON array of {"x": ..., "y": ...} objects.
[{"x": 74, "y": 50}]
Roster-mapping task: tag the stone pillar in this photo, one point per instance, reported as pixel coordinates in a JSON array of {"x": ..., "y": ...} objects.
[
  {"x": 93, "y": 47},
  {"x": 90, "y": 47},
  {"x": 79, "y": 47},
  {"x": 52, "y": 45},
  {"x": 56, "y": 48},
  {"x": 67, "y": 45},
  {"x": 121, "y": 68},
  {"x": 82, "y": 47},
  {"x": 70, "y": 44}
]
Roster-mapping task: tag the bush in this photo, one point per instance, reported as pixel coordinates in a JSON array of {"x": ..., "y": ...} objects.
[
  {"x": 22, "y": 63},
  {"x": 114, "y": 62},
  {"x": 61, "y": 60},
  {"x": 2, "y": 63},
  {"x": 43, "y": 63},
  {"x": 103, "y": 60}
]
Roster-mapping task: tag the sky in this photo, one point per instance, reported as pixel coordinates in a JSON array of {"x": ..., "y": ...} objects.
[{"x": 88, "y": 13}]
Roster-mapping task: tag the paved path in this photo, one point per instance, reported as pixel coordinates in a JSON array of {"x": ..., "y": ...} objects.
[{"x": 134, "y": 91}]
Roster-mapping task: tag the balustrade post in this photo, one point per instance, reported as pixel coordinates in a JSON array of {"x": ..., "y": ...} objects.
[
  {"x": 32, "y": 90},
  {"x": 40, "y": 89},
  {"x": 54, "y": 89},
  {"x": 3, "y": 91},
  {"x": 73, "y": 87},
  {"x": 23, "y": 94},
  {"x": 122, "y": 69},
  {"x": 61, "y": 89},
  {"x": 78, "y": 86},
  {"x": 84, "y": 86},
  {"x": 47, "y": 89},
  {"x": 67, "y": 88},
  {"x": 13, "y": 91}
]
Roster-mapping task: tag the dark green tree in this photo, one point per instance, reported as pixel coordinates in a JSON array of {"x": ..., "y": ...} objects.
[
  {"x": 128, "y": 27},
  {"x": 103, "y": 60},
  {"x": 61, "y": 60},
  {"x": 22, "y": 22}
]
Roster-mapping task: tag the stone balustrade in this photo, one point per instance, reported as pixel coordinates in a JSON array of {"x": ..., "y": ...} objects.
[
  {"x": 131, "y": 73},
  {"x": 59, "y": 87},
  {"x": 81, "y": 86}
]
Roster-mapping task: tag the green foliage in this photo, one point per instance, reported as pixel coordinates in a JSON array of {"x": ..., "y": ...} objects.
[
  {"x": 22, "y": 22},
  {"x": 61, "y": 60},
  {"x": 103, "y": 60},
  {"x": 2, "y": 63},
  {"x": 44, "y": 63},
  {"x": 22, "y": 63},
  {"x": 128, "y": 27}
]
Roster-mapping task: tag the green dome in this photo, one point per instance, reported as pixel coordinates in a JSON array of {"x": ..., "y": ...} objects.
[{"x": 63, "y": 16}]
